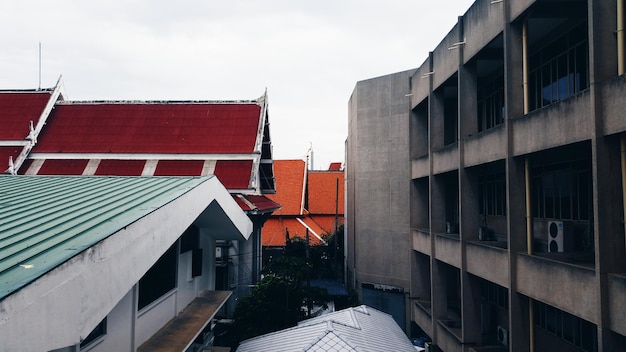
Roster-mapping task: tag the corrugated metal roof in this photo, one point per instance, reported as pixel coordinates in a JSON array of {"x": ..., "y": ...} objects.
[
  {"x": 353, "y": 329},
  {"x": 46, "y": 220}
]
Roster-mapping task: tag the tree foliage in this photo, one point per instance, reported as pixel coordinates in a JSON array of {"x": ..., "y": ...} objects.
[{"x": 281, "y": 298}]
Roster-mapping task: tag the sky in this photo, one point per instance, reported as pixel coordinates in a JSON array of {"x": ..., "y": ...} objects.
[{"x": 308, "y": 55}]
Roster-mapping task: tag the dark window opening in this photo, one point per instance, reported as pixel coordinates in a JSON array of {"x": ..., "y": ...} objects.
[
  {"x": 490, "y": 96},
  {"x": 451, "y": 119},
  {"x": 196, "y": 262},
  {"x": 98, "y": 331},
  {"x": 160, "y": 279},
  {"x": 565, "y": 326},
  {"x": 562, "y": 191},
  {"x": 559, "y": 69},
  {"x": 190, "y": 240},
  {"x": 494, "y": 294},
  {"x": 492, "y": 195}
]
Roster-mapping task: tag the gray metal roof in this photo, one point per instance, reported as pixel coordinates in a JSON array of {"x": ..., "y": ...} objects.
[
  {"x": 46, "y": 220},
  {"x": 353, "y": 329}
]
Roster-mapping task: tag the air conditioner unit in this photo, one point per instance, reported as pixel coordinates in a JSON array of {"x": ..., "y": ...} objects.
[
  {"x": 556, "y": 238},
  {"x": 503, "y": 336}
]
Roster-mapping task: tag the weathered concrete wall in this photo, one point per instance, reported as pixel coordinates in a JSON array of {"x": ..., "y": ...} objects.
[
  {"x": 379, "y": 180},
  {"x": 568, "y": 287},
  {"x": 481, "y": 24},
  {"x": 488, "y": 262},
  {"x": 561, "y": 123}
]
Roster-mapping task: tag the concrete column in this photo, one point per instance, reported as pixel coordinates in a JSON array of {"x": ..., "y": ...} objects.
[
  {"x": 520, "y": 326},
  {"x": 608, "y": 236}
]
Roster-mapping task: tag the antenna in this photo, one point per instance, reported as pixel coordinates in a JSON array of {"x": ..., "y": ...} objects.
[{"x": 39, "y": 66}]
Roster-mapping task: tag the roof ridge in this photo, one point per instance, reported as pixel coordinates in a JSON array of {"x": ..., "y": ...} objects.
[
  {"x": 154, "y": 102},
  {"x": 328, "y": 331}
]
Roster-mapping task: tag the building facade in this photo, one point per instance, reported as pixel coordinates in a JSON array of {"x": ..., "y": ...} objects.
[{"x": 516, "y": 163}]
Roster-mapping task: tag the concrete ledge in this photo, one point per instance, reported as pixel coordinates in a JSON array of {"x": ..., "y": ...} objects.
[{"x": 181, "y": 331}]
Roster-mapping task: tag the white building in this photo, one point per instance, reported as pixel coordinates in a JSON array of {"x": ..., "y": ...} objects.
[{"x": 79, "y": 254}]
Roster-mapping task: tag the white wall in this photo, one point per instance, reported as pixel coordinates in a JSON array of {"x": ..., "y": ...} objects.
[{"x": 124, "y": 320}]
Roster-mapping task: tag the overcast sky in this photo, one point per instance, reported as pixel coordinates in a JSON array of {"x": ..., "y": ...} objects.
[{"x": 307, "y": 54}]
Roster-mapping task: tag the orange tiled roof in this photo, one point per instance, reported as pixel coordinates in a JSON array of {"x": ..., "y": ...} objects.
[
  {"x": 290, "y": 176},
  {"x": 275, "y": 228},
  {"x": 322, "y": 192}
]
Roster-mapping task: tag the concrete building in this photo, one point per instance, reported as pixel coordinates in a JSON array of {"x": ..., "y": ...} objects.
[{"x": 493, "y": 214}]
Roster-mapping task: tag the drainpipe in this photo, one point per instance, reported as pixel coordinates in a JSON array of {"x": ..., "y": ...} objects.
[
  {"x": 620, "y": 37},
  {"x": 529, "y": 244},
  {"x": 525, "y": 65},
  {"x": 529, "y": 219},
  {"x": 623, "y": 157}
]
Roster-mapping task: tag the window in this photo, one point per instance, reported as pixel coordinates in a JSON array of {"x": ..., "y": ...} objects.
[
  {"x": 494, "y": 294},
  {"x": 562, "y": 191},
  {"x": 565, "y": 326},
  {"x": 490, "y": 102},
  {"x": 492, "y": 195},
  {"x": 559, "y": 69},
  {"x": 160, "y": 279},
  {"x": 98, "y": 331}
]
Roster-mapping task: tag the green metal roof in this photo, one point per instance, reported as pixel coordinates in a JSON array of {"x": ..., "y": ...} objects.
[{"x": 46, "y": 220}]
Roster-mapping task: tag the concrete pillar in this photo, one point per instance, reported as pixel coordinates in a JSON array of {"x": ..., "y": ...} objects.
[
  {"x": 608, "y": 235},
  {"x": 520, "y": 326}
]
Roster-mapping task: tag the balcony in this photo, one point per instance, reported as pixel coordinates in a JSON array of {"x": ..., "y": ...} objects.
[
  {"x": 446, "y": 159},
  {"x": 422, "y": 314},
  {"x": 448, "y": 249},
  {"x": 566, "y": 286},
  {"x": 485, "y": 147},
  {"x": 421, "y": 241},
  {"x": 489, "y": 261}
]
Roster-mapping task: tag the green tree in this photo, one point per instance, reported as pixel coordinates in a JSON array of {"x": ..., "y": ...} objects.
[{"x": 281, "y": 298}]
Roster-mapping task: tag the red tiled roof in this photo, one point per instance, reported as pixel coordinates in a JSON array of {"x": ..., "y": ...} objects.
[
  {"x": 5, "y": 153},
  {"x": 334, "y": 167},
  {"x": 63, "y": 167},
  {"x": 179, "y": 168},
  {"x": 120, "y": 167},
  {"x": 289, "y": 176},
  {"x": 274, "y": 231},
  {"x": 17, "y": 109},
  {"x": 322, "y": 192},
  {"x": 255, "y": 203},
  {"x": 151, "y": 128},
  {"x": 234, "y": 174}
]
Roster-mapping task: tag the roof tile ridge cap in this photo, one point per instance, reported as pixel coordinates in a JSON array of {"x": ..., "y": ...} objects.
[
  {"x": 153, "y": 102},
  {"x": 355, "y": 320},
  {"x": 28, "y": 90},
  {"x": 328, "y": 331}
]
